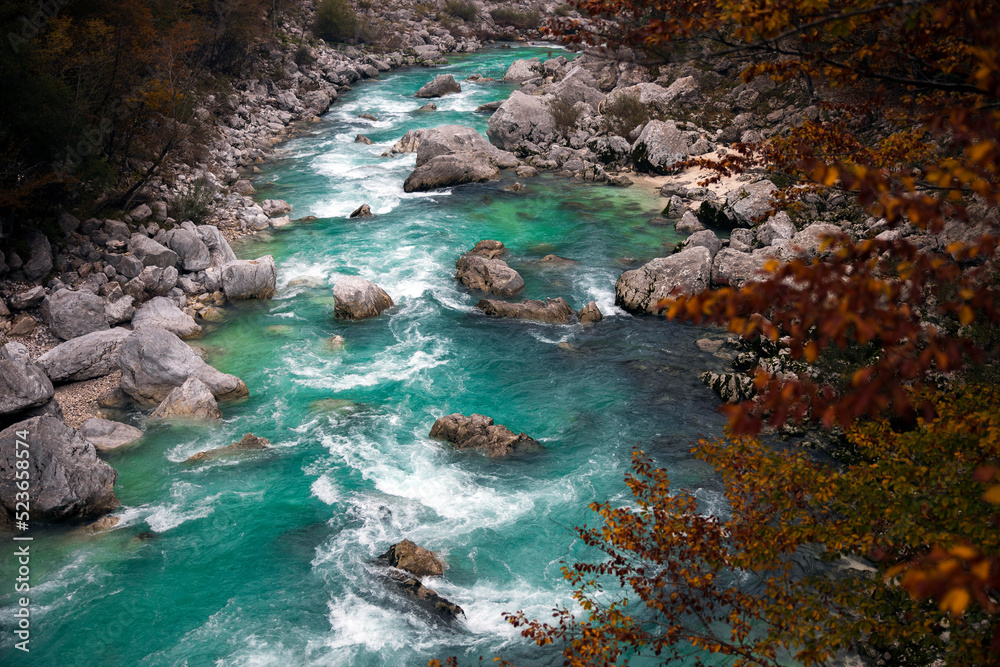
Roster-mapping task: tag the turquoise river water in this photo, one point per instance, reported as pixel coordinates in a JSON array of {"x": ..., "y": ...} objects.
[{"x": 266, "y": 559}]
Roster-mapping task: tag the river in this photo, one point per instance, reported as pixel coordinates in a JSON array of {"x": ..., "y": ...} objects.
[{"x": 265, "y": 559}]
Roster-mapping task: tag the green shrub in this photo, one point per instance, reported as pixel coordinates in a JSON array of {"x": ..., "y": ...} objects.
[
  {"x": 564, "y": 114},
  {"x": 336, "y": 21},
  {"x": 564, "y": 9},
  {"x": 624, "y": 114},
  {"x": 508, "y": 16},
  {"x": 462, "y": 9},
  {"x": 196, "y": 204},
  {"x": 304, "y": 55}
]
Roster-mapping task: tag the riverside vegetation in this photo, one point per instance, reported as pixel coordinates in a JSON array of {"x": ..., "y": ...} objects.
[{"x": 871, "y": 295}]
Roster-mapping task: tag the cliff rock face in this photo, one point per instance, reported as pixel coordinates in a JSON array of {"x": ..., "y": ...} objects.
[
  {"x": 67, "y": 479},
  {"x": 478, "y": 432}
]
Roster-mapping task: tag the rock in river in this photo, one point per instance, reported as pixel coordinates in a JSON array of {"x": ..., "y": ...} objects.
[
  {"x": 191, "y": 400},
  {"x": 107, "y": 435},
  {"x": 480, "y": 269},
  {"x": 414, "y": 559},
  {"x": 440, "y": 86},
  {"x": 480, "y": 433},
  {"x": 250, "y": 278},
  {"x": 688, "y": 272},
  {"x": 154, "y": 361},
  {"x": 555, "y": 311},
  {"x": 67, "y": 478},
  {"x": 249, "y": 443},
  {"x": 357, "y": 299}
]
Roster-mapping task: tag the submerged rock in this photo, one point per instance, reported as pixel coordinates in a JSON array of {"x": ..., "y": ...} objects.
[
  {"x": 555, "y": 311},
  {"x": 427, "y": 597},
  {"x": 480, "y": 433},
  {"x": 107, "y": 435},
  {"x": 67, "y": 479},
  {"x": 356, "y": 298},
  {"x": 414, "y": 559},
  {"x": 249, "y": 443}
]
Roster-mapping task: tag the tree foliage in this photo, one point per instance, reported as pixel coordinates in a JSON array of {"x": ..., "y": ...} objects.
[{"x": 909, "y": 94}]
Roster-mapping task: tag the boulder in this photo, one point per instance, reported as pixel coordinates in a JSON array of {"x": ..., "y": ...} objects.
[
  {"x": 408, "y": 143},
  {"x": 141, "y": 213},
  {"x": 23, "y": 385},
  {"x": 449, "y": 139},
  {"x": 250, "y": 278},
  {"x": 151, "y": 253},
  {"x": 362, "y": 139},
  {"x": 274, "y": 207},
  {"x": 521, "y": 119},
  {"x": 414, "y": 559},
  {"x": 778, "y": 226},
  {"x": 163, "y": 313},
  {"x": 107, "y": 435},
  {"x": 660, "y": 145},
  {"x": 218, "y": 248},
  {"x": 454, "y": 169},
  {"x": 88, "y": 356},
  {"x": 356, "y": 298},
  {"x": 120, "y": 311},
  {"x": 554, "y": 311},
  {"x": 67, "y": 479},
  {"x": 153, "y": 280},
  {"x": 440, "y": 86},
  {"x": 478, "y": 432},
  {"x": 577, "y": 86},
  {"x": 480, "y": 269},
  {"x": 28, "y": 298},
  {"x": 741, "y": 239},
  {"x": 523, "y": 69},
  {"x": 742, "y": 206},
  {"x": 809, "y": 243},
  {"x": 70, "y": 313},
  {"x": 363, "y": 211},
  {"x": 430, "y": 106},
  {"x": 39, "y": 261},
  {"x": 425, "y": 596},
  {"x": 191, "y": 400},
  {"x": 154, "y": 361},
  {"x": 732, "y": 268},
  {"x": 687, "y": 272},
  {"x": 730, "y": 387},
  {"x": 590, "y": 314},
  {"x": 192, "y": 252},
  {"x": 249, "y": 443},
  {"x": 703, "y": 239},
  {"x": 688, "y": 223}
]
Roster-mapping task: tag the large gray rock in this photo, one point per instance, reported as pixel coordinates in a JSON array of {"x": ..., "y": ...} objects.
[
  {"x": 660, "y": 145},
  {"x": 656, "y": 96},
  {"x": 218, "y": 248},
  {"x": 408, "y": 143},
  {"x": 107, "y": 435},
  {"x": 154, "y": 361},
  {"x": 71, "y": 313},
  {"x": 478, "y": 432},
  {"x": 577, "y": 86},
  {"x": 163, "y": 313},
  {"x": 191, "y": 250},
  {"x": 414, "y": 559},
  {"x": 520, "y": 119},
  {"x": 84, "y": 357},
  {"x": 705, "y": 238},
  {"x": 152, "y": 281},
  {"x": 809, "y": 243},
  {"x": 39, "y": 261},
  {"x": 67, "y": 478},
  {"x": 250, "y": 278},
  {"x": 151, "y": 253},
  {"x": 249, "y": 443},
  {"x": 440, "y": 86},
  {"x": 481, "y": 269},
  {"x": 356, "y": 298},
  {"x": 453, "y": 169},
  {"x": 688, "y": 272},
  {"x": 275, "y": 207},
  {"x": 778, "y": 226},
  {"x": 522, "y": 69},
  {"x": 23, "y": 385},
  {"x": 733, "y": 268},
  {"x": 450, "y": 139},
  {"x": 120, "y": 311},
  {"x": 553, "y": 311},
  {"x": 191, "y": 400},
  {"x": 748, "y": 202}
]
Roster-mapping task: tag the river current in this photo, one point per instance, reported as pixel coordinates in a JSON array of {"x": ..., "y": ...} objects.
[{"x": 266, "y": 559}]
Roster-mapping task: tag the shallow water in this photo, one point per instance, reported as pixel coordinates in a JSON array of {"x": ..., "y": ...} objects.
[{"x": 265, "y": 559}]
